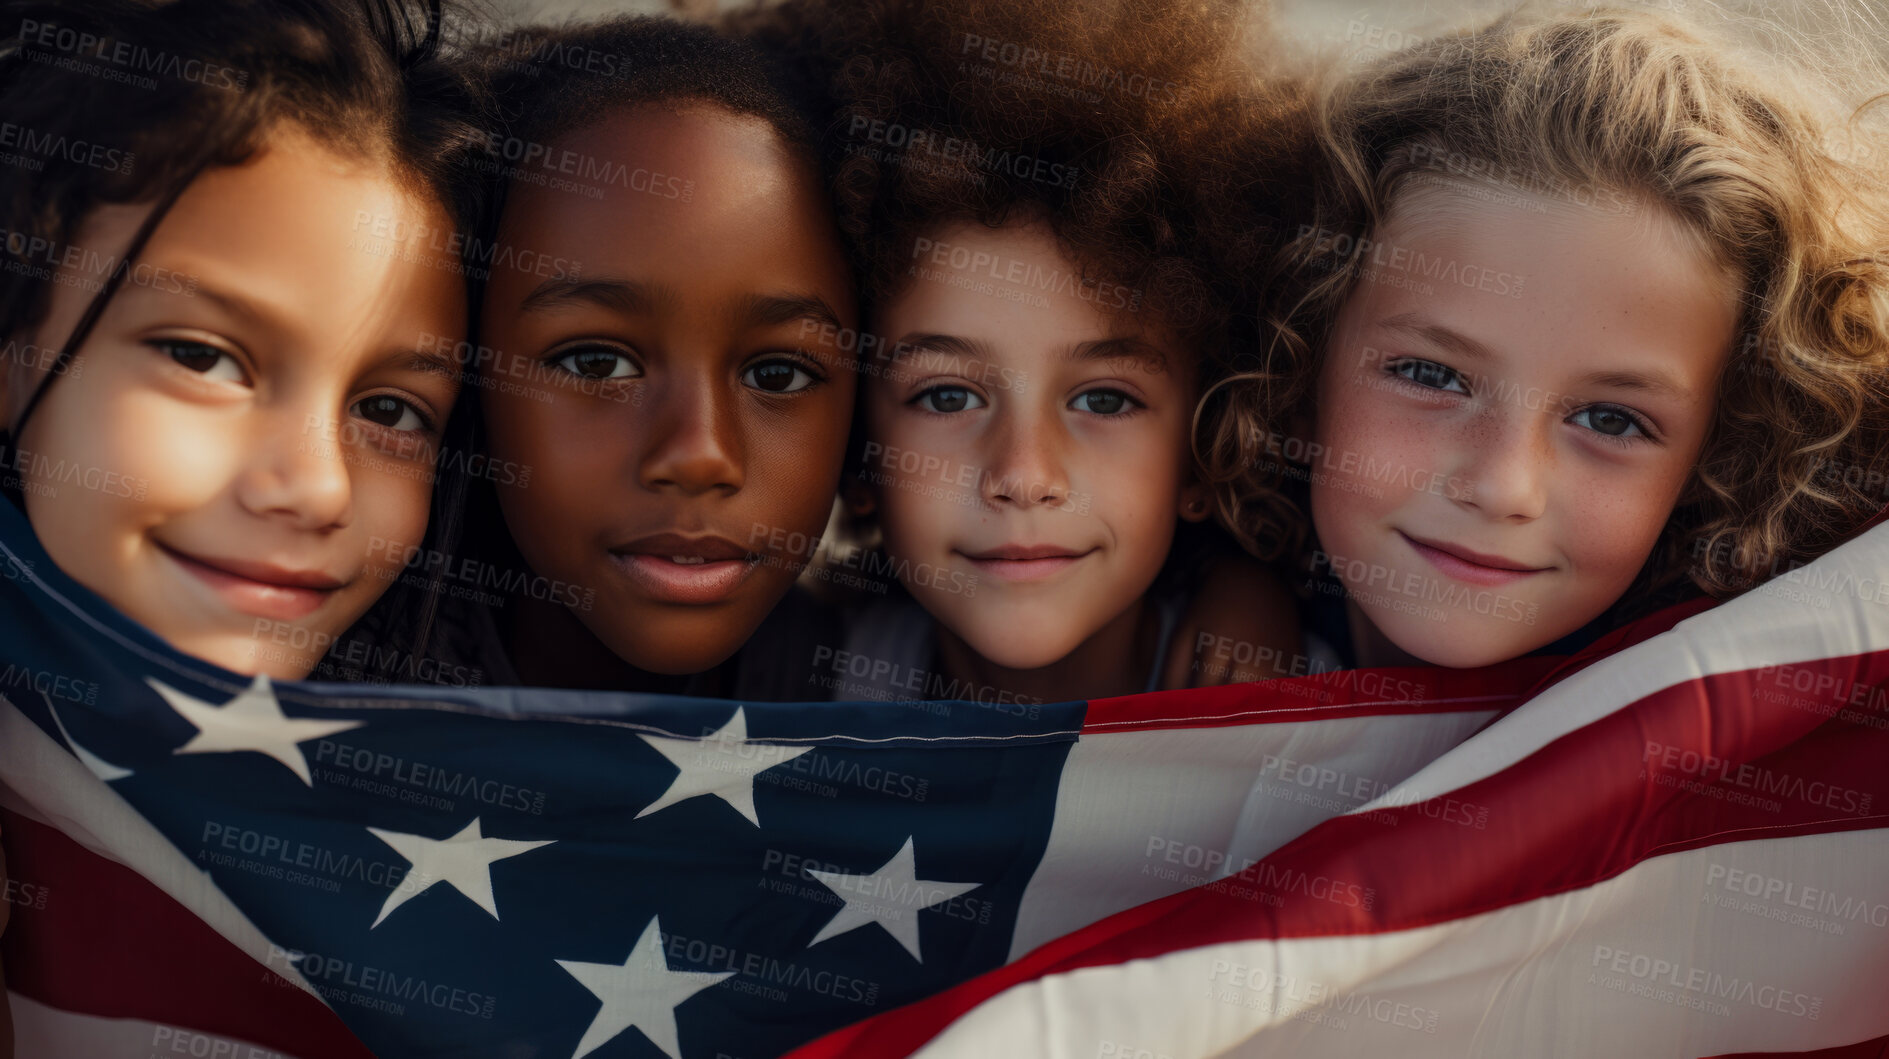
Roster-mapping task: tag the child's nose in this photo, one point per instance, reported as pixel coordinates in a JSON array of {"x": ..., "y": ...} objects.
[
  {"x": 696, "y": 443},
  {"x": 1505, "y": 463},
  {"x": 296, "y": 475},
  {"x": 1027, "y": 465}
]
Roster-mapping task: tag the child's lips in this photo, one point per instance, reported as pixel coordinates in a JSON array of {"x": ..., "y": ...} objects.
[
  {"x": 258, "y": 589},
  {"x": 674, "y": 568},
  {"x": 1025, "y": 563},
  {"x": 1473, "y": 567}
]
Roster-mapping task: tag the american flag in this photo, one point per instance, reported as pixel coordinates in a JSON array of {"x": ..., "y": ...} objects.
[{"x": 1669, "y": 845}]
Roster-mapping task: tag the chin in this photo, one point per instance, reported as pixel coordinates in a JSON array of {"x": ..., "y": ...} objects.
[
  {"x": 1017, "y": 648},
  {"x": 250, "y": 656},
  {"x": 1462, "y": 646},
  {"x": 685, "y": 659},
  {"x": 680, "y": 648}
]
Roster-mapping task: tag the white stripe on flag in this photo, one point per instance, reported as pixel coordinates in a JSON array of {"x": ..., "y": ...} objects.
[
  {"x": 1836, "y": 606},
  {"x": 1672, "y": 958},
  {"x": 1144, "y": 814},
  {"x": 54, "y": 787}
]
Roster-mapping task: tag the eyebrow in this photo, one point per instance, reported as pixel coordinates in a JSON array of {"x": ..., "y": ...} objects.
[
  {"x": 430, "y": 362},
  {"x": 1120, "y": 348},
  {"x": 1651, "y": 381},
  {"x": 630, "y": 297},
  {"x": 928, "y": 342},
  {"x": 420, "y": 359},
  {"x": 772, "y": 310},
  {"x": 1437, "y": 335},
  {"x": 230, "y": 303},
  {"x": 619, "y": 295},
  {"x": 1099, "y": 349}
]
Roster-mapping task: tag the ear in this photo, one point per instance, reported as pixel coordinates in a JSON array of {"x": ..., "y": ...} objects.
[{"x": 1196, "y": 502}]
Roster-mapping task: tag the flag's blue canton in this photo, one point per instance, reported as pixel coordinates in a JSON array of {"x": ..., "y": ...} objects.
[{"x": 459, "y": 877}]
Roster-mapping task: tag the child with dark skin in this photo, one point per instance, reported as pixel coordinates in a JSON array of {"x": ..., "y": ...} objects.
[{"x": 680, "y": 413}]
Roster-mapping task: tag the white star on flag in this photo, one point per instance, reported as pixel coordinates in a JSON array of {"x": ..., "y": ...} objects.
[
  {"x": 643, "y": 993},
  {"x": 890, "y": 897},
  {"x": 722, "y": 763},
  {"x": 464, "y": 861},
  {"x": 253, "y": 720}
]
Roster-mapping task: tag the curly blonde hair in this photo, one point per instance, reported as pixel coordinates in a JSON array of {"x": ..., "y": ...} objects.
[{"x": 1626, "y": 108}]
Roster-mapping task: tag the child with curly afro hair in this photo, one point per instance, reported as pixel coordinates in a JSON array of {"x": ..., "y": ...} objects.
[{"x": 1042, "y": 204}]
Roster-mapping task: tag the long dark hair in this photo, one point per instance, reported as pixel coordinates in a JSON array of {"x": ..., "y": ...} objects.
[{"x": 121, "y": 101}]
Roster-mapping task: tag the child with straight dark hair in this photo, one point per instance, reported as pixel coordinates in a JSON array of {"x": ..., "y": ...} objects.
[
  {"x": 222, "y": 309},
  {"x": 222, "y": 301}
]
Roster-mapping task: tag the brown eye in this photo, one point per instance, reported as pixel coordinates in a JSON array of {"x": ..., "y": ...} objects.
[
  {"x": 202, "y": 358},
  {"x": 777, "y": 376},
  {"x": 389, "y": 411},
  {"x": 597, "y": 362},
  {"x": 1608, "y": 420}
]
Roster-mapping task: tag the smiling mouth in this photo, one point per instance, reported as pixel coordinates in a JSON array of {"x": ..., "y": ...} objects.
[
  {"x": 260, "y": 590},
  {"x": 1023, "y": 563},
  {"x": 692, "y": 571},
  {"x": 1466, "y": 565}
]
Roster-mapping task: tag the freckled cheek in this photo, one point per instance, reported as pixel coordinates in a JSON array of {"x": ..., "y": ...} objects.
[
  {"x": 1132, "y": 485},
  {"x": 910, "y": 448},
  {"x": 1365, "y": 444},
  {"x": 1612, "y": 521},
  {"x": 896, "y": 426},
  {"x": 914, "y": 520},
  {"x": 916, "y": 523}
]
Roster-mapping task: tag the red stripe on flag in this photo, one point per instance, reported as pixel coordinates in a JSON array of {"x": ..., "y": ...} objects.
[
  {"x": 1368, "y": 692},
  {"x": 1734, "y": 739},
  {"x": 1345, "y": 693},
  {"x": 1876, "y": 1049},
  {"x": 111, "y": 944}
]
